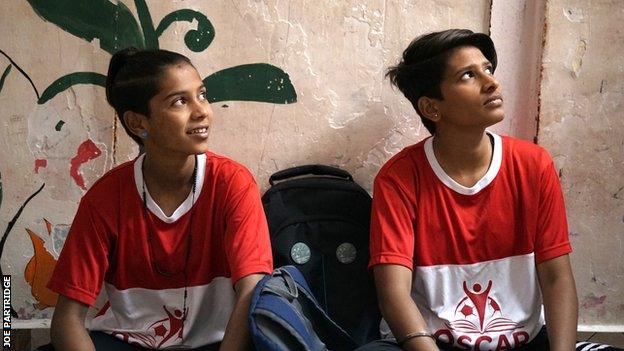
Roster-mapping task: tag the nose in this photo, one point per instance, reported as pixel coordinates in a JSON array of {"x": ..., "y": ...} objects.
[
  {"x": 490, "y": 83},
  {"x": 202, "y": 110}
]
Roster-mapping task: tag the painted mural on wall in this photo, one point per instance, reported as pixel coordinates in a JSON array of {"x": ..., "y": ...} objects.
[{"x": 113, "y": 26}]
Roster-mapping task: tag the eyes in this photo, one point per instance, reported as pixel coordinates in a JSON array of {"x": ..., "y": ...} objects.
[
  {"x": 182, "y": 100},
  {"x": 489, "y": 70}
]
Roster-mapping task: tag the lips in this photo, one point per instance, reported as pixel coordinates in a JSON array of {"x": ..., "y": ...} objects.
[
  {"x": 494, "y": 100},
  {"x": 198, "y": 130}
]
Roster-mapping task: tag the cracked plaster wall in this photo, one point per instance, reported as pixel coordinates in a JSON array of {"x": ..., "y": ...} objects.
[
  {"x": 582, "y": 126},
  {"x": 346, "y": 113}
]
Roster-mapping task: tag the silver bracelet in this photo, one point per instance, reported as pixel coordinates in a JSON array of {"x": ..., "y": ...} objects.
[{"x": 415, "y": 335}]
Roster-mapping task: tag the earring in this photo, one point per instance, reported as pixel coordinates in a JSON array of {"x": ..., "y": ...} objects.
[{"x": 144, "y": 134}]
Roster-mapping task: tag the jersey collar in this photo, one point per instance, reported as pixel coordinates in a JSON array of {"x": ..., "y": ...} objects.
[
  {"x": 185, "y": 206},
  {"x": 489, "y": 176}
]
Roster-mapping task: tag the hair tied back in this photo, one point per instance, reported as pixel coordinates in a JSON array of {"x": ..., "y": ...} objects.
[{"x": 117, "y": 62}]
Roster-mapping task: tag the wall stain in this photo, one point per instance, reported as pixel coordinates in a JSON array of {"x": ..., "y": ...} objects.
[
  {"x": 574, "y": 15},
  {"x": 593, "y": 301},
  {"x": 577, "y": 61}
]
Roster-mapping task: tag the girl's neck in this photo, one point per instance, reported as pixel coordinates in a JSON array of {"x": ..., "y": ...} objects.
[
  {"x": 168, "y": 173},
  {"x": 465, "y": 157}
]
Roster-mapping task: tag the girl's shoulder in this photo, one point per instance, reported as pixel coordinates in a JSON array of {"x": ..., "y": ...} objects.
[
  {"x": 524, "y": 148},
  {"x": 224, "y": 167}
]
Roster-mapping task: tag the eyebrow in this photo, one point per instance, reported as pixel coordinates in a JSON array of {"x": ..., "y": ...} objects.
[
  {"x": 464, "y": 68},
  {"x": 181, "y": 92}
]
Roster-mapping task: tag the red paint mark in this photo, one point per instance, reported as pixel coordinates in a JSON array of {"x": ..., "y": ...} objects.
[
  {"x": 39, "y": 163},
  {"x": 86, "y": 151},
  {"x": 593, "y": 301}
]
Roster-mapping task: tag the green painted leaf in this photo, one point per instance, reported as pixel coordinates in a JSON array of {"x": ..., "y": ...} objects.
[
  {"x": 4, "y": 75},
  {"x": 253, "y": 82},
  {"x": 196, "y": 39},
  {"x": 147, "y": 25},
  {"x": 59, "y": 125},
  {"x": 63, "y": 83},
  {"x": 111, "y": 23}
]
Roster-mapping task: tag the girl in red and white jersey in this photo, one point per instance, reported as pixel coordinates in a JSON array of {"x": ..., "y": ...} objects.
[
  {"x": 469, "y": 238},
  {"x": 177, "y": 237}
]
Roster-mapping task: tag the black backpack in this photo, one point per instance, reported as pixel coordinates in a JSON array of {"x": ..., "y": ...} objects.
[{"x": 319, "y": 221}]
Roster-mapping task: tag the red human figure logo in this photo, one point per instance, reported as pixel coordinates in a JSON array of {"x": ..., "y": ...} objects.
[
  {"x": 176, "y": 325},
  {"x": 479, "y": 299}
]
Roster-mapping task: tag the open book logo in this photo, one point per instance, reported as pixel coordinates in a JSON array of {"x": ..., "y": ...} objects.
[{"x": 479, "y": 313}]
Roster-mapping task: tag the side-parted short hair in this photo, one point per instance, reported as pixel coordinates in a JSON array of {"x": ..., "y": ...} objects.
[{"x": 424, "y": 62}]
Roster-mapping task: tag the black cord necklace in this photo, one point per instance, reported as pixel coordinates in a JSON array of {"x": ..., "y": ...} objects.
[{"x": 189, "y": 238}]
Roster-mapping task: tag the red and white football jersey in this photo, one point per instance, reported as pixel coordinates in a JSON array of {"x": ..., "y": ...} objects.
[
  {"x": 473, "y": 250},
  {"x": 109, "y": 242}
]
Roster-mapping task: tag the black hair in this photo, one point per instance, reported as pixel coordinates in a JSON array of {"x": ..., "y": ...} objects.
[
  {"x": 422, "y": 67},
  {"x": 133, "y": 79}
]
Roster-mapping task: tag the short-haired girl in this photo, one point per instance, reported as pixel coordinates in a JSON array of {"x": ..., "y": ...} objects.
[{"x": 469, "y": 237}]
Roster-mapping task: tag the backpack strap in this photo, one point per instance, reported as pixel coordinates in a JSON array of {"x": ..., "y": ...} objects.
[
  {"x": 320, "y": 170},
  {"x": 289, "y": 291},
  {"x": 284, "y": 315},
  {"x": 327, "y": 330}
]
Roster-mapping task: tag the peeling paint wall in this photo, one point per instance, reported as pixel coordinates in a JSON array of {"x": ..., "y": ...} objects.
[
  {"x": 582, "y": 125},
  {"x": 517, "y": 30},
  {"x": 346, "y": 113}
]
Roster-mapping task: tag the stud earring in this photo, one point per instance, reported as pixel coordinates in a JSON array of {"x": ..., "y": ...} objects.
[{"x": 144, "y": 134}]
